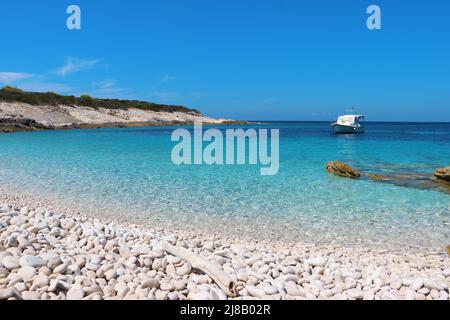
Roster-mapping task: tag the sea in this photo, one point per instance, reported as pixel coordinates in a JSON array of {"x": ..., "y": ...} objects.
[{"x": 128, "y": 173}]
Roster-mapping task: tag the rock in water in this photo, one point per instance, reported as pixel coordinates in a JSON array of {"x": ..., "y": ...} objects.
[
  {"x": 375, "y": 177},
  {"x": 342, "y": 169},
  {"x": 443, "y": 173}
]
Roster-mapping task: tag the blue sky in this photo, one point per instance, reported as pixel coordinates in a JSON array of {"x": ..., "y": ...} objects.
[{"x": 280, "y": 60}]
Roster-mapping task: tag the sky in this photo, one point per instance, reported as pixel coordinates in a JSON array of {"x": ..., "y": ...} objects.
[{"x": 241, "y": 59}]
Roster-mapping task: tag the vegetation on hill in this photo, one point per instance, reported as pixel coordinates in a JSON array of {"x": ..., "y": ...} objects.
[{"x": 11, "y": 94}]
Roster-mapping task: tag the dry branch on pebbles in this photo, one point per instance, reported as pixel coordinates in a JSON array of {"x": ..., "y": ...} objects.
[{"x": 221, "y": 278}]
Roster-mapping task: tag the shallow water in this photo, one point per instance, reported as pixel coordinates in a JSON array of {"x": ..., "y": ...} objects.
[{"x": 128, "y": 173}]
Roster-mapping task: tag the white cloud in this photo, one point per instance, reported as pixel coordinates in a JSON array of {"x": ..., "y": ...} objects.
[
  {"x": 162, "y": 95},
  {"x": 108, "y": 89},
  {"x": 198, "y": 95},
  {"x": 74, "y": 65},
  {"x": 167, "y": 78},
  {"x": 11, "y": 77},
  {"x": 39, "y": 86},
  {"x": 105, "y": 84}
]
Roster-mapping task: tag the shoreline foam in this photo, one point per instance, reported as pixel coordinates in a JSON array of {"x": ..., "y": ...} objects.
[{"x": 225, "y": 227}]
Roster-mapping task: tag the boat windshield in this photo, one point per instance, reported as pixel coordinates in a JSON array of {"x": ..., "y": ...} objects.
[{"x": 350, "y": 119}]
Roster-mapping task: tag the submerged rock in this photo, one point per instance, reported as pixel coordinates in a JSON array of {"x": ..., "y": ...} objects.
[
  {"x": 439, "y": 182},
  {"x": 342, "y": 169},
  {"x": 443, "y": 174},
  {"x": 376, "y": 177}
]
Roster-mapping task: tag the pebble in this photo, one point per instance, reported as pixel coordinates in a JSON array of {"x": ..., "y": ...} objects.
[
  {"x": 199, "y": 296},
  {"x": 10, "y": 262},
  {"x": 185, "y": 269},
  {"x": 396, "y": 284},
  {"x": 160, "y": 295},
  {"x": 41, "y": 280},
  {"x": 31, "y": 295},
  {"x": 417, "y": 284},
  {"x": 355, "y": 294},
  {"x": 317, "y": 262},
  {"x": 255, "y": 292},
  {"x": 26, "y": 273},
  {"x": 75, "y": 293},
  {"x": 150, "y": 283},
  {"x": 32, "y": 261},
  {"x": 8, "y": 293},
  {"x": 167, "y": 286},
  {"x": 110, "y": 274},
  {"x": 434, "y": 285}
]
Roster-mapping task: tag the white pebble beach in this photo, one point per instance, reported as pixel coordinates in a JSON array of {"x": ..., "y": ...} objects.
[{"x": 50, "y": 255}]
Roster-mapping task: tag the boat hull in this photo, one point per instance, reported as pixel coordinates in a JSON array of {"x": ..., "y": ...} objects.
[{"x": 338, "y": 128}]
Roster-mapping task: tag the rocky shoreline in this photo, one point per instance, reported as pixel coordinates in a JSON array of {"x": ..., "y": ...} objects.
[
  {"x": 25, "y": 125},
  {"x": 19, "y": 116},
  {"x": 439, "y": 181},
  {"x": 51, "y": 255}
]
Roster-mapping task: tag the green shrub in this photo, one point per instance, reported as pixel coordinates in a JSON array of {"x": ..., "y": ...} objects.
[
  {"x": 11, "y": 94},
  {"x": 10, "y": 89}
]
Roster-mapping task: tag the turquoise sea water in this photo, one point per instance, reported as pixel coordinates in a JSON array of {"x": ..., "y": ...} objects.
[{"x": 128, "y": 173}]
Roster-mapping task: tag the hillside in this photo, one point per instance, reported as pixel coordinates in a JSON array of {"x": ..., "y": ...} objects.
[
  {"x": 26, "y": 111},
  {"x": 10, "y": 94}
]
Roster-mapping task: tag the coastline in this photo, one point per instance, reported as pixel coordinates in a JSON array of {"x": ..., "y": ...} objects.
[
  {"x": 18, "y": 125},
  {"x": 18, "y": 116},
  {"x": 86, "y": 257},
  {"x": 267, "y": 231}
]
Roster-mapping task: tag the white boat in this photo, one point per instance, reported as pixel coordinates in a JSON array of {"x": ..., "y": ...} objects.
[{"x": 349, "y": 123}]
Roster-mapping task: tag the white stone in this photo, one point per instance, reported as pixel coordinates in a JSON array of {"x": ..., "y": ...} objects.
[
  {"x": 167, "y": 286},
  {"x": 62, "y": 268},
  {"x": 110, "y": 274},
  {"x": 317, "y": 262},
  {"x": 446, "y": 272},
  {"x": 417, "y": 284},
  {"x": 26, "y": 273},
  {"x": 150, "y": 283},
  {"x": 185, "y": 269},
  {"x": 255, "y": 292},
  {"x": 396, "y": 283},
  {"x": 8, "y": 293},
  {"x": 10, "y": 262},
  {"x": 430, "y": 284},
  {"x": 32, "y": 261},
  {"x": 40, "y": 281},
  {"x": 202, "y": 295},
  {"x": 75, "y": 293},
  {"x": 270, "y": 290},
  {"x": 355, "y": 294}
]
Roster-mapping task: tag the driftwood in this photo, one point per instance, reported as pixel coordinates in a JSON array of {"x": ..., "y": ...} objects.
[{"x": 217, "y": 274}]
